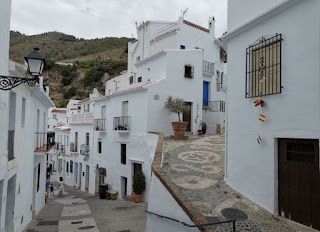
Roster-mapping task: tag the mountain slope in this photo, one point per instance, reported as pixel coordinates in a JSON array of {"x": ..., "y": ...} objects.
[{"x": 94, "y": 61}]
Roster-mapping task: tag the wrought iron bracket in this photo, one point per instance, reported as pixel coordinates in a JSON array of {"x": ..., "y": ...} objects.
[{"x": 8, "y": 82}]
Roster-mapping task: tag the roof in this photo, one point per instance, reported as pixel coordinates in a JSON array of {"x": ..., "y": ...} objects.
[
  {"x": 59, "y": 111},
  {"x": 196, "y": 26},
  {"x": 63, "y": 128}
]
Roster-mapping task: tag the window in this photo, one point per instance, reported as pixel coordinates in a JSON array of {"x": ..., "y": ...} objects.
[
  {"x": 188, "y": 71},
  {"x": 223, "y": 55},
  {"x": 139, "y": 79},
  {"x": 71, "y": 166},
  {"x": 131, "y": 80},
  {"x": 138, "y": 59},
  {"x": 182, "y": 47},
  {"x": 123, "y": 153},
  {"x": 219, "y": 81},
  {"x": 23, "y": 112},
  {"x": 99, "y": 146},
  {"x": 54, "y": 116},
  {"x": 87, "y": 138},
  {"x": 67, "y": 168},
  {"x": 67, "y": 140},
  {"x": 76, "y": 142},
  {"x": 38, "y": 180},
  {"x": 263, "y": 67},
  {"x": 88, "y": 108}
]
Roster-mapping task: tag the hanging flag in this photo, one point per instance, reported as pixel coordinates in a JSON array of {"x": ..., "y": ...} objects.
[
  {"x": 259, "y": 101},
  {"x": 262, "y": 78},
  {"x": 262, "y": 117},
  {"x": 259, "y": 139}
]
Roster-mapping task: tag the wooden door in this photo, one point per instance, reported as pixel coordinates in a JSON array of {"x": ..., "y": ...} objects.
[
  {"x": 299, "y": 181},
  {"x": 187, "y": 115},
  {"x": 137, "y": 168}
]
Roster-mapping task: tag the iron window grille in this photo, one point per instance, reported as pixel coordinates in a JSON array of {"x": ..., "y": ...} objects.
[
  {"x": 131, "y": 80},
  {"x": 263, "y": 67},
  {"x": 219, "y": 81}
]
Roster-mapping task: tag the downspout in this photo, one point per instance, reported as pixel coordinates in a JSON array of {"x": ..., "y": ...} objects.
[{"x": 226, "y": 137}]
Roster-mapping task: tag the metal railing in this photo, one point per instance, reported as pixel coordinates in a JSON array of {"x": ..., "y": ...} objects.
[
  {"x": 84, "y": 149},
  {"x": 215, "y": 106},
  {"x": 82, "y": 118},
  {"x": 199, "y": 225},
  {"x": 62, "y": 149},
  {"x": 44, "y": 141},
  {"x": 10, "y": 145},
  {"x": 121, "y": 123},
  {"x": 207, "y": 68},
  {"x": 99, "y": 125}
]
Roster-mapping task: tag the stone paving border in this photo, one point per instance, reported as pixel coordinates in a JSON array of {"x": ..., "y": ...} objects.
[{"x": 193, "y": 213}]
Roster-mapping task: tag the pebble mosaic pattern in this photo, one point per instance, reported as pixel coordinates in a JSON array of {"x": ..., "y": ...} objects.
[{"x": 196, "y": 166}]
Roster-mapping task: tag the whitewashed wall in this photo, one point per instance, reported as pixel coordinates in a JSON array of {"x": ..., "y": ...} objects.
[
  {"x": 294, "y": 113},
  {"x": 161, "y": 202}
]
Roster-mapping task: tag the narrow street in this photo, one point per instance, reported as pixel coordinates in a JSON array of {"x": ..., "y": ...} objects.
[{"x": 80, "y": 211}]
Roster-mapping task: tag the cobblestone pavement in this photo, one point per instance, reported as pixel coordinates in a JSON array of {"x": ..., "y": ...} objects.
[
  {"x": 196, "y": 166},
  {"x": 80, "y": 211}
]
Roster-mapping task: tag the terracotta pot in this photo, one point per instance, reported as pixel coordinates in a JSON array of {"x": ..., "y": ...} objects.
[
  {"x": 137, "y": 198},
  {"x": 179, "y": 128},
  {"x": 199, "y": 132}
]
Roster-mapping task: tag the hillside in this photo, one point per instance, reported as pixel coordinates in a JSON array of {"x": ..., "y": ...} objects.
[{"x": 94, "y": 61}]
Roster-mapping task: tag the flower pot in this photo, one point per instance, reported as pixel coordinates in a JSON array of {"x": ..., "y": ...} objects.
[
  {"x": 199, "y": 132},
  {"x": 137, "y": 198},
  {"x": 179, "y": 128}
]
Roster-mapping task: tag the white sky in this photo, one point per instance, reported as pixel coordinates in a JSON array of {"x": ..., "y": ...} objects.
[{"x": 104, "y": 18}]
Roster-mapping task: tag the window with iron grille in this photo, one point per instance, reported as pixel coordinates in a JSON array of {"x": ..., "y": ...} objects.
[
  {"x": 71, "y": 166},
  {"x": 263, "y": 67},
  {"x": 188, "y": 71},
  {"x": 219, "y": 81},
  {"x": 131, "y": 80},
  {"x": 139, "y": 79}
]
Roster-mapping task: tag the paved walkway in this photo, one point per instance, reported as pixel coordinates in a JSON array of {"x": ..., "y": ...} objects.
[
  {"x": 196, "y": 166},
  {"x": 79, "y": 211}
]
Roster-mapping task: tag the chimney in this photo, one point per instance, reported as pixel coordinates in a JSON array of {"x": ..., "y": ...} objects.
[{"x": 212, "y": 26}]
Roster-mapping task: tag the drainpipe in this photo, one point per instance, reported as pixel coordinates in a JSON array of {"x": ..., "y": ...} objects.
[{"x": 226, "y": 138}]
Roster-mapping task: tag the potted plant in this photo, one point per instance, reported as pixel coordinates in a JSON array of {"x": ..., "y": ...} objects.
[
  {"x": 139, "y": 185},
  {"x": 177, "y": 106},
  {"x": 204, "y": 127},
  {"x": 200, "y": 129}
]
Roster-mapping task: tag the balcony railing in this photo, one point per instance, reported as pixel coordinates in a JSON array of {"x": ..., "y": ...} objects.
[
  {"x": 121, "y": 123},
  {"x": 99, "y": 125},
  {"x": 207, "y": 68},
  {"x": 44, "y": 141},
  {"x": 84, "y": 149},
  {"x": 10, "y": 145},
  {"x": 215, "y": 106},
  {"x": 63, "y": 149},
  {"x": 82, "y": 118}
]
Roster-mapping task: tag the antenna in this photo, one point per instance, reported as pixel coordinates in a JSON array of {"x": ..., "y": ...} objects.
[{"x": 184, "y": 12}]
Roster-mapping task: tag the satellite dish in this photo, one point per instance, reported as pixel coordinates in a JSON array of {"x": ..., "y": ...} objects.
[{"x": 96, "y": 92}]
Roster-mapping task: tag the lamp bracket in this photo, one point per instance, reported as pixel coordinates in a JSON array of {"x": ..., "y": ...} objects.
[{"x": 8, "y": 82}]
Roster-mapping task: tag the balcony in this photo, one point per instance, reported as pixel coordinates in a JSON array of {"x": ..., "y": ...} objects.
[
  {"x": 44, "y": 141},
  {"x": 84, "y": 149},
  {"x": 121, "y": 124},
  {"x": 99, "y": 125},
  {"x": 214, "y": 106},
  {"x": 208, "y": 68},
  {"x": 10, "y": 145},
  {"x": 82, "y": 118}
]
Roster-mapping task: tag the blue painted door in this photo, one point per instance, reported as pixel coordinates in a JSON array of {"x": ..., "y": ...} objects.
[{"x": 205, "y": 93}]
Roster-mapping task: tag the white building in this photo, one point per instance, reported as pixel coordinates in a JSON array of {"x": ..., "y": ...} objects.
[
  {"x": 57, "y": 117},
  {"x": 109, "y": 138},
  {"x": 273, "y": 51},
  {"x": 24, "y": 140}
]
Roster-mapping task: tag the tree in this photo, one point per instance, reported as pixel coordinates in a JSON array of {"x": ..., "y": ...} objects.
[{"x": 176, "y": 105}]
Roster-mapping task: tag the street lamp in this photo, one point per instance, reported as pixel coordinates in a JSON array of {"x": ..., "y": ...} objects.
[{"x": 35, "y": 63}]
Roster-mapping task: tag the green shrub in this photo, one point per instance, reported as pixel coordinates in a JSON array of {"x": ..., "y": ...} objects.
[{"x": 139, "y": 184}]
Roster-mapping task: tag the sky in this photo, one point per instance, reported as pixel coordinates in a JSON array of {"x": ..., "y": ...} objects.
[{"x": 91, "y": 19}]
